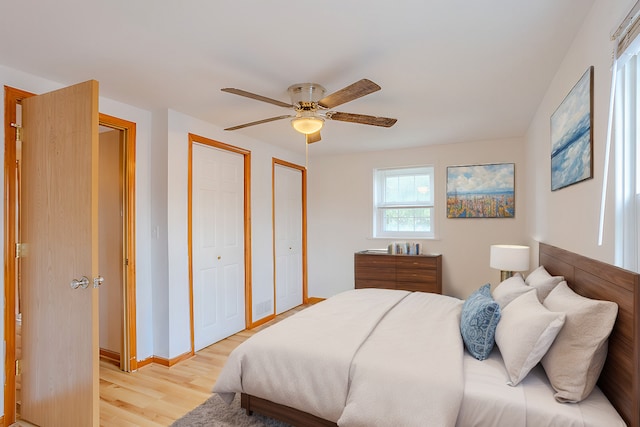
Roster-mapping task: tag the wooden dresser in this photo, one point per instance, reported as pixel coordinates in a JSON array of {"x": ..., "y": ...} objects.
[{"x": 409, "y": 272}]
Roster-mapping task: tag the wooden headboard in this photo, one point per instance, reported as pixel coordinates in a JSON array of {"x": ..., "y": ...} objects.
[{"x": 620, "y": 378}]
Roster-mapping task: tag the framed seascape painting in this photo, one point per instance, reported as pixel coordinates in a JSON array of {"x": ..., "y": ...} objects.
[
  {"x": 572, "y": 135},
  {"x": 481, "y": 191}
]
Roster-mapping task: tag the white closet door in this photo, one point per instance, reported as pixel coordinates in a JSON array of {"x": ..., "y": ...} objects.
[
  {"x": 218, "y": 244},
  {"x": 288, "y": 237}
]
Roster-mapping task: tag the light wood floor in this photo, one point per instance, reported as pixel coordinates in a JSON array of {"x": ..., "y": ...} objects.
[{"x": 156, "y": 396}]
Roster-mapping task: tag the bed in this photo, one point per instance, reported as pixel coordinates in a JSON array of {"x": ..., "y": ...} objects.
[{"x": 342, "y": 375}]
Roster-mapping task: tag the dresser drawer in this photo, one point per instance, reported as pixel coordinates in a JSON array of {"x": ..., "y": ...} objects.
[
  {"x": 375, "y": 273},
  {"x": 375, "y": 261},
  {"x": 416, "y": 262},
  {"x": 421, "y": 275}
]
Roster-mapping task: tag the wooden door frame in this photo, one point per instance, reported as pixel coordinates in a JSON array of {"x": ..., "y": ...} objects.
[
  {"x": 278, "y": 162},
  {"x": 12, "y": 98},
  {"x": 128, "y": 357},
  {"x": 193, "y": 138}
]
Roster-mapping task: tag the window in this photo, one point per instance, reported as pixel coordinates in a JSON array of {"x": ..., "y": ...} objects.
[
  {"x": 627, "y": 198},
  {"x": 626, "y": 118},
  {"x": 403, "y": 202}
]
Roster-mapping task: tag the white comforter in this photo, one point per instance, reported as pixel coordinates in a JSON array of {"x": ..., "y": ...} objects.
[
  {"x": 314, "y": 363},
  {"x": 422, "y": 381}
]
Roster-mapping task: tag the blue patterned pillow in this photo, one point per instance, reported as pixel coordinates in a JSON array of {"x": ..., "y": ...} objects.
[{"x": 480, "y": 317}]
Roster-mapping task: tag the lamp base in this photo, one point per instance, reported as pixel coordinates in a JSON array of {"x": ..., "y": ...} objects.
[{"x": 504, "y": 275}]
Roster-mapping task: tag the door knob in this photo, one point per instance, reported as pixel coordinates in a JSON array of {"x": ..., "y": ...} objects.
[
  {"x": 97, "y": 281},
  {"x": 82, "y": 283}
]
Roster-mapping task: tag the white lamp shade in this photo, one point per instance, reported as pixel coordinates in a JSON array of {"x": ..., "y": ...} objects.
[
  {"x": 509, "y": 257},
  {"x": 307, "y": 125}
]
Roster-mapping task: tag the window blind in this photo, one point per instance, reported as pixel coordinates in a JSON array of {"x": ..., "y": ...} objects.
[{"x": 628, "y": 30}]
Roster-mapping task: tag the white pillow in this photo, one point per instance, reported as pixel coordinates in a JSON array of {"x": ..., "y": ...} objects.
[
  {"x": 575, "y": 359},
  {"x": 524, "y": 334},
  {"x": 510, "y": 289},
  {"x": 542, "y": 281}
]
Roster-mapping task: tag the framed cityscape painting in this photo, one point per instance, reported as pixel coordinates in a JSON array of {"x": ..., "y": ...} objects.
[
  {"x": 572, "y": 135},
  {"x": 481, "y": 191}
]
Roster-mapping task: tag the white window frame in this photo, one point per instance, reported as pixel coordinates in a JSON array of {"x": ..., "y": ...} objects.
[
  {"x": 627, "y": 158},
  {"x": 379, "y": 204}
]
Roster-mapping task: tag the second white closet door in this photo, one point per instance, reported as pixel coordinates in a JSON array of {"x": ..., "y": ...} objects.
[{"x": 288, "y": 237}]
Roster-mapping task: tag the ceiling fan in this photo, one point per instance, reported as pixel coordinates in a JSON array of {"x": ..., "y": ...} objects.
[{"x": 312, "y": 108}]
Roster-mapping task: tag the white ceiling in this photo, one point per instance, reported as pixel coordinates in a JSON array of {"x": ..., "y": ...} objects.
[{"x": 450, "y": 70}]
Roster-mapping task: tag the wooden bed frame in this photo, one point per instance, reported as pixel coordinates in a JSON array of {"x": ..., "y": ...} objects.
[{"x": 620, "y": 378}]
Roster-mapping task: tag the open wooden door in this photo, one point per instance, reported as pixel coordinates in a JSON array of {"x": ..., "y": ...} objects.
[{"x": 59, "y": 244}]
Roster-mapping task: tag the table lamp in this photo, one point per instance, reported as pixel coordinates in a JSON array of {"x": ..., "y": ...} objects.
[{"x": 508, "y": 259}]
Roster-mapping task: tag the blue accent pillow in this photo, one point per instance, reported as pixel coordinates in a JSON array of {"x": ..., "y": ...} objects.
[{"x": 478, "y": 322}]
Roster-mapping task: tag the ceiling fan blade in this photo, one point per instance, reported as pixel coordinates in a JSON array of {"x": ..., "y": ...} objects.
[
  {"x": 313, "y": 137},
  {"x": 254, "y": 96},
  {"x": 259, "y": 122},
  {"x": 362, "y": 119},
  {"x": 354, "y": 91}
]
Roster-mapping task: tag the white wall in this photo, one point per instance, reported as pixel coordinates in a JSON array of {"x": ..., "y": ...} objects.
[
  {"x": 569, "y": 217},
  {"x": 340, "y": 214},
  {"x": 144, "y": 291},
  {"x": 159, "y": 236}
]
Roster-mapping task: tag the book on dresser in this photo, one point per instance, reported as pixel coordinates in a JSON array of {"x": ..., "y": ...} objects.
[{"x": 408, "y": 272}]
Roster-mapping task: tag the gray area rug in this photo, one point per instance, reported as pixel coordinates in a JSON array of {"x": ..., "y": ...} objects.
[{"x": 216, "y": 413}]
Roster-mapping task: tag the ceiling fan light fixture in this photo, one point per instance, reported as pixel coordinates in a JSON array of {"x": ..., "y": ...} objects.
[
  {"x": 311, "y": 106},
  {"x": 307, "y": 125}
]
